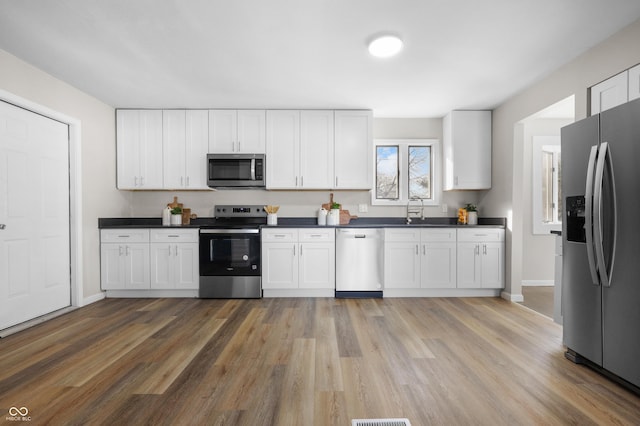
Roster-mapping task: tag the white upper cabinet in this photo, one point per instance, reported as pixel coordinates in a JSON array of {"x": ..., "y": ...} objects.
[
  {"x": 610, "y": 93},
  {"x": 467, "y": 150},
  {"x": 185, "y": 146},
  {"x": 353, "y": 153},
  {"x": 634, "y": 83},
  {"x": 283, "y": 149},
  {"x": 139, "y": 149},
  {"x": 617, "y": 90},
  {"x": 299, "y": 149},
  {"x": 235, "y": 131}
]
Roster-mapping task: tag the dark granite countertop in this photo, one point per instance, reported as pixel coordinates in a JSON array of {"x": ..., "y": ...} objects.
[{"x": 308, "y": 222}]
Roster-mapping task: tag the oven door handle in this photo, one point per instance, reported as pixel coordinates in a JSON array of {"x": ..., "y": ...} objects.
[{"x": 230, "y": 231}]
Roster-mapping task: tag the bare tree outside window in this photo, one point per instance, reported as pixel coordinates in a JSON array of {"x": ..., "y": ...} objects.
[
  {"x": 387, "y": 172},
  {"x": 420, "y": 172}
]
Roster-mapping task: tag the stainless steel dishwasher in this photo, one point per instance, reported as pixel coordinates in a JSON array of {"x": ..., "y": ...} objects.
[{"x": 359, "y": 262}]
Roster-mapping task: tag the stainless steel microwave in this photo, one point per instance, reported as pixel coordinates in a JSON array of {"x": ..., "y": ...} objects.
[{"x": 236, "y": 170}]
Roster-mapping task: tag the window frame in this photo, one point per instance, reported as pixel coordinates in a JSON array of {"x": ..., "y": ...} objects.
[
  {"x": 539, "y": 143},
  {"x": 403, "y": 170}
]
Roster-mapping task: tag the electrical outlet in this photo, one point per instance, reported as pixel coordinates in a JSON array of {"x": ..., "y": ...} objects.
[
  {"x": 363, "y": 208},
  {"x": 445, "y": 208}
]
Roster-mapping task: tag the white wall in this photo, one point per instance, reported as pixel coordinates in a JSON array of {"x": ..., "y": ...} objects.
[
  {"x": 306, "y": 203},
  {"x": 615, "y": 54},
  {"x": 99, "y": 197}
]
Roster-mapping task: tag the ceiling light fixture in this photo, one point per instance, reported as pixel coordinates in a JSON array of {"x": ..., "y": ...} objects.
[{"x": 385, "y": 46}]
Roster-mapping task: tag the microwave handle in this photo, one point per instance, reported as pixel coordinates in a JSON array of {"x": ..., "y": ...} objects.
[{"x": 253, "y": 169}]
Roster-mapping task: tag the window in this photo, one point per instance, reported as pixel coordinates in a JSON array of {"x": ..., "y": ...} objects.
[
  {"x": 406, "y": 169},
  {"x": 547, "y": 178}
]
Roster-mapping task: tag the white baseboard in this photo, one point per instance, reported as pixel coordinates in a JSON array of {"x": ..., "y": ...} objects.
[
  {"x": 516, "y": 298},
  {"x": 93, "y": 299},
  {"x": 439, "y": 292},
  {"x": 538, "y": 283}
]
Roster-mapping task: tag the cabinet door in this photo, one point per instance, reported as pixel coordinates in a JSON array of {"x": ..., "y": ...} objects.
[
  {"x": 173, "y": 148},
  {"x": 468, "y": 265},
  {"x": 137, "y": 266},
  {"x": 127, "y": 135},
  {"x": 196, "y": 149},
  {"x": 610, "y": 93},
  {"x": 317, "y": 268},
  {"x": 316, "y": 149},
  {"x": 251, "y": 131},
  {"x": 186, "y": 268},
  {"x": 402, "y": 264},
  {"x": 223, "y": 131},
  {"x": 283, "y": 145},
  {"x": 439, "y": 265},
  {"x": 162, "y": 266},
  {"x": 634, "y": 83},
  {"x": 353, "y": 147},
  {"x": 492, "y": 265},
  {"x": 279, "y": 265},
  {"x": 112, "y": 267},
  {"x": 467, "y": 150}
]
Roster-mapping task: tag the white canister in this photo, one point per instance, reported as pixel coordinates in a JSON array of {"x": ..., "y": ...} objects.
[
  {"x": 272, "y": 219},
  {"x": 322, "y": 217},
  {"x": 176, "y": 219},
  {"x": 472, "y": 218},
  {"x": 333, "y": 218},
  {"x": 166, "y": 216}
]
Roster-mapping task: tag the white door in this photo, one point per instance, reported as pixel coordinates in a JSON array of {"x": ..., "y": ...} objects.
[{"x": 34, "y": 213}]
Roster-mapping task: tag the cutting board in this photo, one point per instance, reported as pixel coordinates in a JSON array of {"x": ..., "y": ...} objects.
[{"x": 345, "y": 216}]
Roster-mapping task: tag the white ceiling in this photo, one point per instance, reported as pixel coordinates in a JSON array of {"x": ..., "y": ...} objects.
[{"x": 458, "y": 54}]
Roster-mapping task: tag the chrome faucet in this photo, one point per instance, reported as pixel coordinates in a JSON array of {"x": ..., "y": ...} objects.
[{"x": 415, "y": 211}]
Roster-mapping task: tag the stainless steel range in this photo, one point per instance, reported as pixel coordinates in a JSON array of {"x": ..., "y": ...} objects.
[{"x": 230, "y": 253}]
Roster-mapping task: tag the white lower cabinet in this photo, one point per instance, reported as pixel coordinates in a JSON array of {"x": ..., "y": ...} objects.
[
  {"x": 420, "y": 258},
  {"x": 124, "y": 259},
  {"x": 174, "y": 259},
  {"x": 298, "y": 259},
  {"x": 480, "y": 258},
  {"x": 149, "y": 259}
]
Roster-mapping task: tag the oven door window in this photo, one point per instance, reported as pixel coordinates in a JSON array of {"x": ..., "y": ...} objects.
[{"x": 229, "y": 254}]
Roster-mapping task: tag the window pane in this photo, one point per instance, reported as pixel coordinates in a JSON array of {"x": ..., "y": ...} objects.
[
  {"x": 420, "y": 172},
  {"x": 387, "y": 172},
  {"x": 559, "y": 189},
  {"x": 547, "y": 186}
]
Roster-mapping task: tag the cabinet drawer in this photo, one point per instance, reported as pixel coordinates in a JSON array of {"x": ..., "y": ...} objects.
[
  {"x": 439, "y": 235},
  {"x": 124, "y": 235},
  {"x": 479, "y": 234},
  {"x": 401, "y": 234},
  {"x": 319, "y": 235},
  {"x": 174, "y": 235},
  {"x": 280, "y": 235}
]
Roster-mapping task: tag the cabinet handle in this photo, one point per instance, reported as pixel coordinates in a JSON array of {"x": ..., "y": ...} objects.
[
  {"x": 302, "y": 181},
  {"x": 417, "y": 252},
  {"x": 169, "y": 250},
  {"x": 135, "y": 181},
  {"x": 176, "y": 250},
  {"x": 173, "y": 236},
  {"x": 301, "y": 251},
  {"x": 119, "y": 250},
  {"x": 239, "y": 146},
  {"x": 296, "y": 181},
  {"x": 294, "y": 249},
  {"x": 484, "y": 249},
  {"x": 336, "y": 181},
  {"x": 477, "y": 250},
  {"x": 315, "y": 236},
  {"x": 188, "y": 181},
  {"x": 126, "y": 250},
  {"x": 424, "y": 249}
]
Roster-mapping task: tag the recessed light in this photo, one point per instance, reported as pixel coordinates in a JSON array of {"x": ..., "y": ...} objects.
[{"x": 385, "y": 46}]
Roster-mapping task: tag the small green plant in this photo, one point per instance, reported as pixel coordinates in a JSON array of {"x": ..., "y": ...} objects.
[
  {"x": 335, "y": 206},
  {"x": 471, "y": 208},
  {"x": 176, "y": 210}
]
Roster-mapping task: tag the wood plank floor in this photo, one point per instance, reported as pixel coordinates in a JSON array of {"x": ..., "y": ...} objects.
[{"x": 480, "y": 361}]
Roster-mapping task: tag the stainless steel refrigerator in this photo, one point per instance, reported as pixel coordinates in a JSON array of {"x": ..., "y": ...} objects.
[{"x": 601, "y": 241}]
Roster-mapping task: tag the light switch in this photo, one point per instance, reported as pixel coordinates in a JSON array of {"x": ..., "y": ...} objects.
[{"x": 363, "y": 208}]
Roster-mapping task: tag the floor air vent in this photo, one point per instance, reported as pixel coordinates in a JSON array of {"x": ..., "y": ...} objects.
[{"x": 380, "y": 422}]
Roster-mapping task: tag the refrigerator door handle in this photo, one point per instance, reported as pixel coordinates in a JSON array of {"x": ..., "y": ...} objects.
[
  {"x": 588, "y": 219},
  {"x": 604, "y": 159}
]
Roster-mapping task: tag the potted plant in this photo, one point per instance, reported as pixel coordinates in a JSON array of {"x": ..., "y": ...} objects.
[
  {"x": 176, "y": 215},
  {"x": 472, "y": 214}
]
